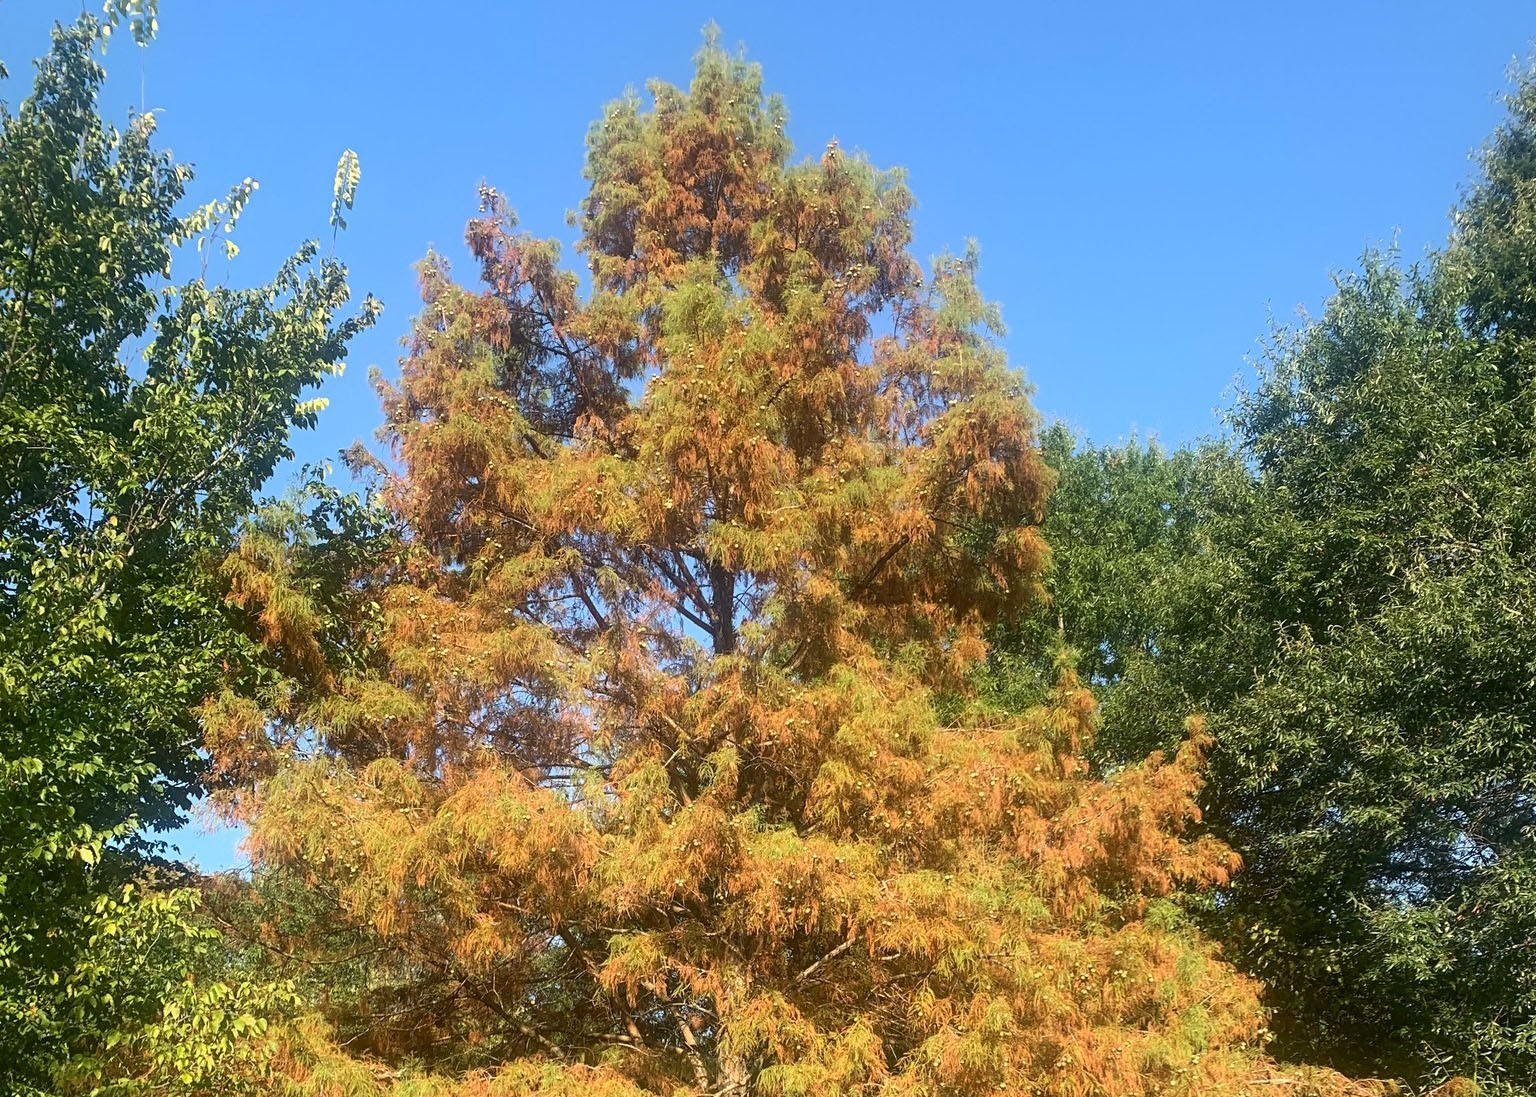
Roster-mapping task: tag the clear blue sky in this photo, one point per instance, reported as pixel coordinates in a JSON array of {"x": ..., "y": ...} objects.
[{"x": 1150, "y": 188}]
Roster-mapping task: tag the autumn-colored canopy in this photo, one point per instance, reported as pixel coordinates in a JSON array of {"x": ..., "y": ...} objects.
[{"x": 654, "y": 763}]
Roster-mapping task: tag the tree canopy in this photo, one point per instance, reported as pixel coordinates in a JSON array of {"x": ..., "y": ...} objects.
[{"x": 664, "y": 771}]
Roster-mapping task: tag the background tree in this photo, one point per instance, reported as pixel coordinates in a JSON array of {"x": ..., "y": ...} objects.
[
  {"x": 137, "y": 418},
  {"x": 642, "y": 784},
  {"x": 1353, "y": 615},
  {"x": 1121, "y": 519}
]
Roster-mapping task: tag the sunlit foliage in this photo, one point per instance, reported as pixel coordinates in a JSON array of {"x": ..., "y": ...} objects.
[{"x": 624, "y": 771}]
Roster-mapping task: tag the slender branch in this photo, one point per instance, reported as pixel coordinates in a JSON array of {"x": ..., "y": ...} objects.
[
  {"x": 686, "y": 586},
  {"x": 874, "y": 572},
  {"x": 696, "y": 1056},
  {"x": 827, "y": 959},
  {"x": 853, "y": 592},
  {"x": 677, "y": 604},
  {"x": 629, "y": 1019},
  {"x": 581, "y": 592}
]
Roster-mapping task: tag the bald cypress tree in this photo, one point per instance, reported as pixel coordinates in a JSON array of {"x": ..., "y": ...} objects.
[{"x": 654, "y": 766}]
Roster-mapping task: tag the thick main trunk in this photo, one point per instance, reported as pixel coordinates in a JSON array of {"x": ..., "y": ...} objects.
[{"x": 722, "y": 593}]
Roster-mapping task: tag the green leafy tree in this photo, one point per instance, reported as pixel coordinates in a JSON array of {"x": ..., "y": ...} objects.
[
  {"x": 1349, "y": 596},
  {"x": 137, "y": 418},
  {"x": 1120, "y": 519}
]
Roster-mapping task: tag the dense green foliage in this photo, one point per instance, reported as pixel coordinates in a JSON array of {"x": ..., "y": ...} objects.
[
  {"x": 1120, "y": 519},
  {"x": 137, "y": 418},
  {"x": 1347, "y": 590}
]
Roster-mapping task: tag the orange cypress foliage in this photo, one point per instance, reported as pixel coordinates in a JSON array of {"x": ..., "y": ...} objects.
[{"x": 647, "y": 790}]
